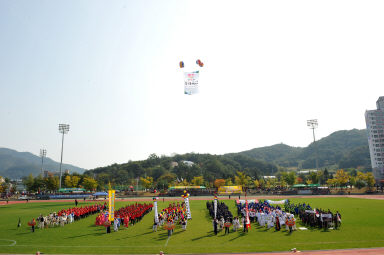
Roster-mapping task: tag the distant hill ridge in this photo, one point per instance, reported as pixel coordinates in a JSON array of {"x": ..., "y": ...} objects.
[
  {"x": 345, "y": 148},
  {"x": 341, "y": 149},
  {"x": 14, "y": 164}
]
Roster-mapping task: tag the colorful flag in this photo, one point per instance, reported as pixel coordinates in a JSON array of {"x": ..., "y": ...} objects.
[{"x": 111, "y": 198}]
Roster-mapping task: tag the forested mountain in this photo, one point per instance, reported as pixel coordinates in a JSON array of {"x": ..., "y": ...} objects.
[
  {"x": 281, "y": 154},
  {"x": 166, "y": 169},
  {"x": 348, "y": 149},
  {"x": 344, "y": 149},
  {"x": 14, "y": 164}
]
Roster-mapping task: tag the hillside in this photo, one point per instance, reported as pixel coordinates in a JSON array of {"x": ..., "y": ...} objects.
[
  {"x": 279, "y": 153},
  {"x": 345, "y": 148},
  {"x": 14, "y": 164}
]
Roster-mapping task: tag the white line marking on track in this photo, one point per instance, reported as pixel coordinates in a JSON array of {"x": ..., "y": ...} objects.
[
  {"x": 166, "y": 243},
  {"x": 13, "y": 242}
]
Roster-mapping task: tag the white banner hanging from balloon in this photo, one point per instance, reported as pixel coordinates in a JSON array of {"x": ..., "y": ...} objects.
[{"x": 191, "y": 83}]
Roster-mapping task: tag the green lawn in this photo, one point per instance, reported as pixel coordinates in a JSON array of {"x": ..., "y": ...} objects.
[{"x": 363, "y": 226}]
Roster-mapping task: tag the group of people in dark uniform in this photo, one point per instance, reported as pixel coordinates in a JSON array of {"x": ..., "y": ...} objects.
[
  {"x": 315, "y": 218},
  {"x": 223, "y": 217}
]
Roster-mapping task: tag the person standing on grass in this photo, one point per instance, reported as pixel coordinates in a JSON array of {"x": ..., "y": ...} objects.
[
  {"x": 245, "y": 225},
  {"x": 154, "y": 227},
  {"x": 215, "y": 226},
  {"x": 33, "y": 223},
  {"x": 115, "y": 225},
  {"x": 277, "y": 223},
  {"x": 227, "y": 224},
  {"x": 76, "y": 202}
]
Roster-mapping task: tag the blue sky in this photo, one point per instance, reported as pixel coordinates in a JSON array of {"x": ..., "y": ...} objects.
[{"x": 110, "y": 70}]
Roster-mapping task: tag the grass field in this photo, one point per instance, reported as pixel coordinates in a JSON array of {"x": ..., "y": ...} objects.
[{"x": 362, "y": 226}]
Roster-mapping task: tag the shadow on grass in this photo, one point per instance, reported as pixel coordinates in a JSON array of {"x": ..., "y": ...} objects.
[
  {"x": 24, "y": 233},
  {"x": 241, "y": 234},
  {"x": 164, "y": 236},
  {"x": 146, "y": 233},
  {"x": 91, "y": 234},
  {"x": 209, "y": 234}
]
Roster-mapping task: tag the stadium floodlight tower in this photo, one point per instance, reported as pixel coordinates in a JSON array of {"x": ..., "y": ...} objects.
[
  {"x": 63, "y": 129},
  {"x": 312, "y": 124},
  {"x": 43, "y": 153}
]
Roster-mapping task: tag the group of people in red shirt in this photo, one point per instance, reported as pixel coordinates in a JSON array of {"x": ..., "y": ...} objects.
[
  {"x": 82, "y": 212},
  {"x": 129, "y": 214}
]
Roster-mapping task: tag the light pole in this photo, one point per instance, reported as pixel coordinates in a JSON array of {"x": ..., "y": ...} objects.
[
  {"x": 312, "y": 124},
  {"x": 43, "y": 153},
  {"x": 63, "y": 129}
]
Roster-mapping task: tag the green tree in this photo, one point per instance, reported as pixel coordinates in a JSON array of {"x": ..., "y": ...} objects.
[
  {"x": 75, "y": 181},
  {"x": 332, "y": 182},
  {"x": 289, "y": 178},
  {"x": 68, "y": 181},
  {"x": 228, "y": 182},
  {"x": 29, "y": 182},
  {"x": 146, "y": 182},
  {"x": 52, "y": 182},
  {"x": 89, "y": 183},
  {"x": 256, "y": 183},
  {"x": 370, "y": 180},
  {"x": 325, "y": 175},
  {"x": 313, "y": 177},
  {"x": 197, "y": 181},
  {"x": 242, "y": 179},
  {"x": 39, "y": 184},
  {"x": 262, "y": 183},
  {"x": 342, "y": 178}
]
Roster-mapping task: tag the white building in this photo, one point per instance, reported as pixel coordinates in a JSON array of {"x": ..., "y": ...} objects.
[
  {"x": 188, "y": 163},
  {"x": 374, "y": 120}
]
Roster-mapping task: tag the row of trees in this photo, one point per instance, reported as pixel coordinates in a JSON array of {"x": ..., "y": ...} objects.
[
  {"x": 209, "y": 170},
  {"x": 356, "y": 178},
  {"x": 51, "y": 183},
  {"x": 165, "y": 170},
  {"x": 283, "y": 179}
]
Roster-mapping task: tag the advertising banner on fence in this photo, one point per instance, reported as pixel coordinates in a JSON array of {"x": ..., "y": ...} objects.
[
  {"x": 229, "y": 189},
  {"x": 111, "y": 198}
]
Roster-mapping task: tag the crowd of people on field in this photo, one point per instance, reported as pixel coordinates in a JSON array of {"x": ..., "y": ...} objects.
[
  {"x": 174, "y": 214},
  {"x": 223, "y": 218},
  {"x": 267, "y": 215},
  {"x": 65, "y": 216},
  {"x": 315, "y": 218},
  {"x": 124, "y": 216}
]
